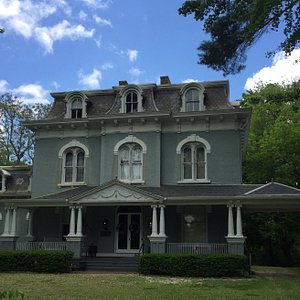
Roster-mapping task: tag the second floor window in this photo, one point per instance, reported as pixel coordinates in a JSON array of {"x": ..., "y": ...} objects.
[
  {"x": 131, "y": 102},
  {"x": 76, "y": 108},
  {"x": 193, "y": 162},
  {"x": 130, "y": 162},
  {"x": 74, "y": 165}
]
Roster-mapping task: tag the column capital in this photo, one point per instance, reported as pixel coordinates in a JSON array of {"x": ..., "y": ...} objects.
[
  {"x": 238, "y": 204},
  {"x": 161, "y": 206},
  {"x": 230, "y": 204},
  {"x": 154, "y": 206}
]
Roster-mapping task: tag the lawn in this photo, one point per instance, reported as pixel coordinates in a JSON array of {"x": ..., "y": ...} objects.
[{"x": 271, "y": 283}]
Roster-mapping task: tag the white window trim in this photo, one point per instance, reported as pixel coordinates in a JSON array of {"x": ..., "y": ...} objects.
[
  {"x": 69, "y": 99},
  {"x": 124, "y": 92},
  {"x": 4, "y": 174},
  {"x": 62, "y": 156},
  {"x": 193, "y": 138},
  {"x": 129, "y": 140},
  {"x": 193, "y": 85}
]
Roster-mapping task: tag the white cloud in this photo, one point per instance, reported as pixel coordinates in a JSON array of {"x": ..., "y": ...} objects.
[
  {"x": 56, "y": 84},
  {"x": 48, "y": 35},
  {"x": 101, "y": 4},
  {"x": 82, "y": 15},
  {"x": 26, "y": 18},
  {"x": 189, "y": 80},
  {"x": 132, "y": 55},
  {"x": 91, "y": 80},
  {"x": 135, "y": 72},
  {"x": 3, "y": 86},
  {"x": 107, "y": 66},
  {"x": 31, "y": 93},
  {"x": 283, "y": 70},
  {"x": 102, "y": 21}
]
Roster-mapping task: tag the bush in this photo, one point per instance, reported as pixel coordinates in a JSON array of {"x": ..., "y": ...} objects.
[
  {"x": 36, "y": 261},
  {"x": 201, "y": 265}
]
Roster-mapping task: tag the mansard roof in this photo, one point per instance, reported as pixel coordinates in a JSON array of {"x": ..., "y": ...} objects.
[{"x": 163, "y": 98}]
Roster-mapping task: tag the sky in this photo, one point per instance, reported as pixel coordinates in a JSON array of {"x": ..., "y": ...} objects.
[{"x": 65, "y": 45}]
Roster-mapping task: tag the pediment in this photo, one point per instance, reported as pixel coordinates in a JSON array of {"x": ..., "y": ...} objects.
[{"x": 116, "y": 194}]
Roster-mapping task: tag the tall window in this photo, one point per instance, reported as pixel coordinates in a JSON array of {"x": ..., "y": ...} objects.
[
  {"x": 130, "y": 162},
  {"x": 76, "y": 108},
  {"x": 131, "y": 102},
  {"x": 192, "y": 100},
  {"x": 193, "y": 162},
  {"x": 73, "y": 165}
]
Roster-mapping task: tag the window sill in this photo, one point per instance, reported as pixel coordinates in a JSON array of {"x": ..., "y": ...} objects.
[
  {"x": 71, "y": 184},
  {"x": 133, "y": 181},
  {"x": 194, "y": 181}
]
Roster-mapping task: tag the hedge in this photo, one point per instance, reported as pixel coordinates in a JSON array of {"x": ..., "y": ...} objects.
[
  {"x": 36, "y": 261},
  {"x": 198, "y": 265}
]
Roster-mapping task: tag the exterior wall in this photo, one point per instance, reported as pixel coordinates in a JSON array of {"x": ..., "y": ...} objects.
[{"x": 223, "y": 163}]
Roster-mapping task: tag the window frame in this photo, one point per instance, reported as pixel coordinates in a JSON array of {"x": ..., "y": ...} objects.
[
  {"x": 194, "y": 86},
  {"x": 127, "y": 90},
  {"x": 70, "y": 99}
]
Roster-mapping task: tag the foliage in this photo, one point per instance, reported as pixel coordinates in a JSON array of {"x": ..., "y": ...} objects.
[
  {"x": 273, "y": 238},
  {"x": 11, "y": 294},
  {"x": 236, "y": 25},
  {"x": 17, "y": 141},
  {"x": 2, "y": 30},
  {"x": 204, "y": 265},
  {"x": 36, "y": 261},
  {"x": 273, "y": 151}
]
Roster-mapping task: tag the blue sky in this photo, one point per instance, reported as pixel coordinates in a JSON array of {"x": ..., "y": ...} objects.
[{"x": 63, "y": 45}]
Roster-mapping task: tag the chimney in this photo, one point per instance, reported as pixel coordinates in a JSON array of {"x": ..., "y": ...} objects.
[
  {"x": 123, "y": 82},
  {"x": 164, "y": 80}
]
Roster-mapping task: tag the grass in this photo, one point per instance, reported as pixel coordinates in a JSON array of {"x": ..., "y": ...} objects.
[{"x": 266, "y": 285}]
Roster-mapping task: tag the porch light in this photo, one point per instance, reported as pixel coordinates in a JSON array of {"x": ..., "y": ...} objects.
[
  {"x": 105, "y": 225},
  {"x": 150, "y": 225}
]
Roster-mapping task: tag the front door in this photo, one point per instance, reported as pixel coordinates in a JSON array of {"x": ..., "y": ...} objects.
[{"x": 129, "y": 232}]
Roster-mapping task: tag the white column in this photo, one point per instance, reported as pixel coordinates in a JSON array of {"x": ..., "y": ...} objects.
[
  {"x": 72, "y": 221},
  {"x": 239, "y": 229},
  {"x": 230, "y": 221},
  {"x": 162, "y": 221},
  {"x": 154, "y": 220},
  {"x": 13, "y": 231},
  {"x": 79, "y": 222},
  {"x": 29, "y": 228},
  {"x": 6, "y": 230}
]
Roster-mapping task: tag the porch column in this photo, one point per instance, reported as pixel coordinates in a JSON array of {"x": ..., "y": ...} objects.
[
  {"x": 162, "y": 221},
  {"x": 79, "y": 222},
  {"x": 13, "y": 231},
  {"x": 154, "y": 220},
  {"x": 230, "y": 220},
  {"x": 6, "y": 230},
  {"x": 72, "y": 222},
  {"x": 239, "y": 230},
  {"x": 29, "y": 220}
]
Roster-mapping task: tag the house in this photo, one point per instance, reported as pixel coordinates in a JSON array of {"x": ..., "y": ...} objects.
[{"x": 138, "y": 167}]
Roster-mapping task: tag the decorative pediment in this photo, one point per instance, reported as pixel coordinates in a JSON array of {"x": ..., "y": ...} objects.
[{"x": 116, "y": 194}]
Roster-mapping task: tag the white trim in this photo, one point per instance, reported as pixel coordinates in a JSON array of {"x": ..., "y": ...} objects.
[
  {"x": 194, "y": 181},
  {"x": 130, "y": 139},
  {"x": 69, "y": 99},
  {"x": 193, "y": 138},
  {"x": 193, "y": 85},
  {"x": 124, "y": 92},
  {"x": 74, "y": 143}
]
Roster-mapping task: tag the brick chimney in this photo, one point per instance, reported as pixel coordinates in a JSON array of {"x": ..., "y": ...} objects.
[
  {"x": 123, "y": 82},
  {"x": 165, "y": 80}
]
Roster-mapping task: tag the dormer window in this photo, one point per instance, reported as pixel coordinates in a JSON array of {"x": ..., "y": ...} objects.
[
  {"x": 76, "y": 108},
  {"x": 192, "y": 96},
  {"x": 131, "y": 102},
  {"x": 131, "y": 99},
  {"x": 76, "y": 105}
]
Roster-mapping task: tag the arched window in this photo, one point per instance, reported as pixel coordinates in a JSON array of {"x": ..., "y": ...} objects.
[
  {"x": 73, "y": 165},
  {"x": 131, "y": 162},
  {"x": 193, "y": 162},
  {"x": 131, "y": 102},
  {"x": 192, "y": 96},
  {"x": 76, "y": 108}
]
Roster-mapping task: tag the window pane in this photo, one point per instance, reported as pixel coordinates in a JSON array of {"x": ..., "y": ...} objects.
[
  {"x": 200, "y": 163},
  {"x": 80, "y": 174},
  {"x": 68, "y": 174},
  {"x": 69, "y": 159},
  {"x": 187, "y": 171},
  {"x": 200, "y": 154},
  {"x": 134, "y": 107},
  {"x": 80, "y": 159},
  {"x": 137, "y": 171},
  {"x": 187, "y": 154},
  {"x": 134, "y": 97},
  {"x": 124, "y": 157},
  {"x": 76, "y": 104}
]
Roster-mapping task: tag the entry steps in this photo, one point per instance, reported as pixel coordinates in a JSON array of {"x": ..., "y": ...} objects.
[{"x": 110, "y": 264}]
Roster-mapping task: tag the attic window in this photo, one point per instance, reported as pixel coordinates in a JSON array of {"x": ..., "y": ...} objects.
[
  {"x": 76, "y": 105},
  {"x": 131, "y": 99},
  {"x": 192, "y": 96},
  {"x": 131, "y": 102}
]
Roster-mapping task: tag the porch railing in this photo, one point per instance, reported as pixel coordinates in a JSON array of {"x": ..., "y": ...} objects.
[
  {"x": 42, "y": 246},
  {"x": 196, "y": 248}
]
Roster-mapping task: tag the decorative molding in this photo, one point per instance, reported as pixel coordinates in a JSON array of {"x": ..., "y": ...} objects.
[
  {"x": 130, "y": 139},
  {"x": 74, "y": 143},
  {"x": 193, "y": 138}
]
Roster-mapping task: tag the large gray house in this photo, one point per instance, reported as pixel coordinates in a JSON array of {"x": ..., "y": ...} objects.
[{"x": 139, "y": 167}]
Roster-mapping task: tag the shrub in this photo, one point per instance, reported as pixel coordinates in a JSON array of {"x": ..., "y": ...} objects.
[
  {"x": 11, "y": 295},
  {"x": 36, "y": 261},
  {"x": 200, "y": 265}
]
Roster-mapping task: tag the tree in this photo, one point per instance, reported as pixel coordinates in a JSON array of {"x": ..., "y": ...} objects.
[
  {"x": 273, "y": 151},
  {"x": 17, "y": 141},
  {"x": 2, "y": 30},
  {"x": 237, "y": 25}
]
